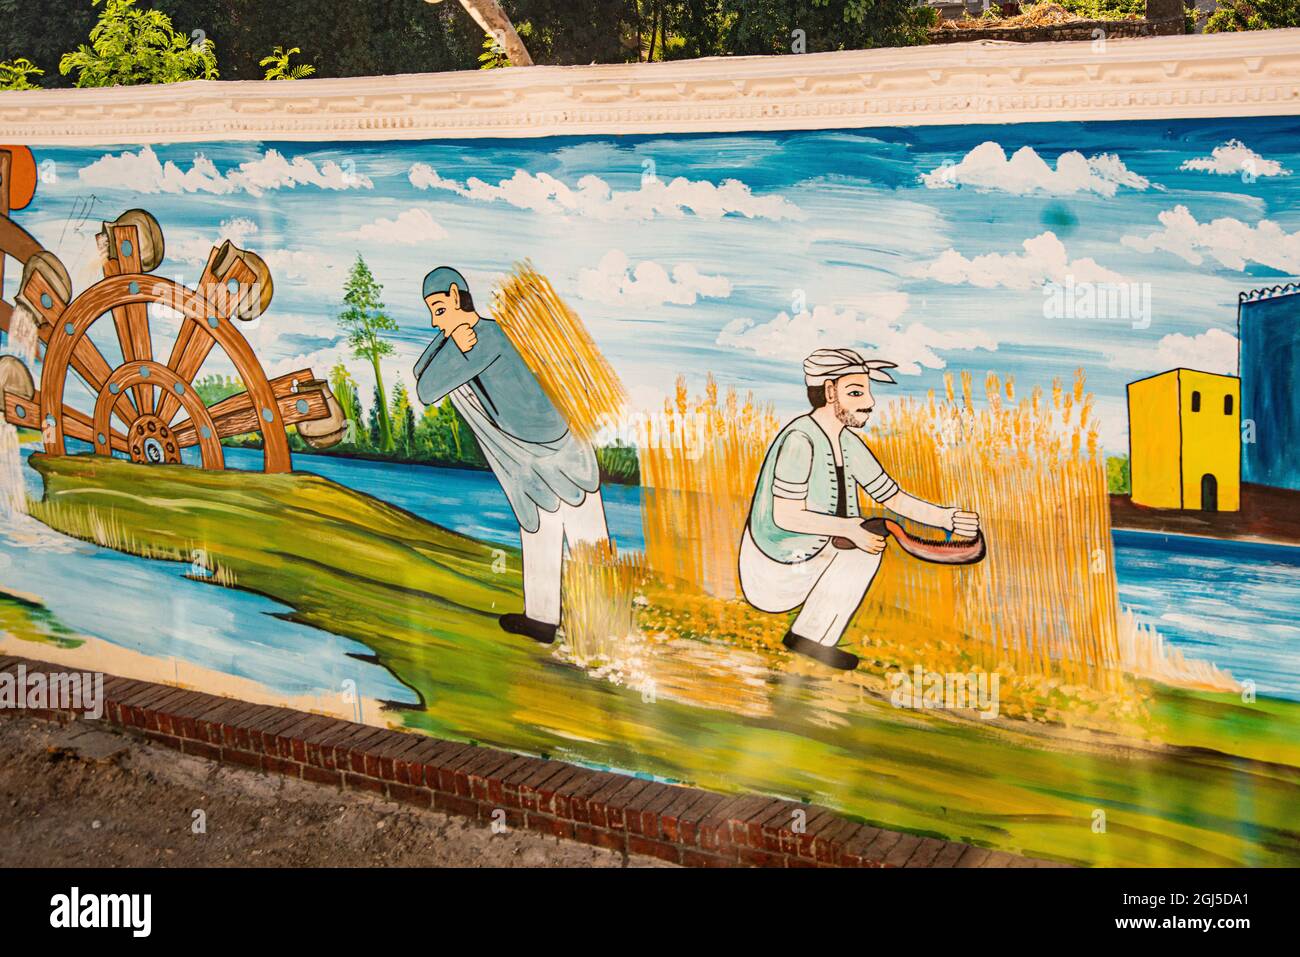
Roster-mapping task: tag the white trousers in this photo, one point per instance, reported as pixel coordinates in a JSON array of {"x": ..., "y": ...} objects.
[
  {"x": 544, "y": 552},
  {"x": 830, "y": 586}
]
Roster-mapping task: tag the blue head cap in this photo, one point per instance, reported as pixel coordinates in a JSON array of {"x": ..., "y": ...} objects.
[{"x": 441, "y": 279}]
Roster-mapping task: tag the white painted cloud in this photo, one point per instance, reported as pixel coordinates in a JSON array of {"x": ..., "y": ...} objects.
[
  {"x": 878, "y": 332},
  {"x": 192, "y": 248},
  {"x": 615, "y": 282},
  {"x": 143, "y": 172},
  {"x": 1044, "y": 260},
  {"x": 286, "y": 265},
  {"x": 1211, "y": 351},
  {"x": 988, "y": 167},
  {"x": 592, "y": 197},
  {"x": 1235, "y": 158},
  {"x": 297, "y": 265},
  {"x": 409, "y": 228},
  {"x": 1229, "y": 241}
]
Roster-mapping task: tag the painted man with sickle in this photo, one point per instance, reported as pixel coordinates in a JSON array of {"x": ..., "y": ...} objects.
[{"x": 807, "y": 494}]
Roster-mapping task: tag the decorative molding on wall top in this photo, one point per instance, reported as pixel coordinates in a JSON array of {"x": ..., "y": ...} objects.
[{"x": 1231, "y": 74}]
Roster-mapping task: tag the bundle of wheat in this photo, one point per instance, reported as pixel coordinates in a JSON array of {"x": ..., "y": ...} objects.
[
  {"x": 559, "y": 350},
  {"x": 699, "y": 462},
  {"x": 600, "y": 584},
  {"x": 1045, "y": 600}
]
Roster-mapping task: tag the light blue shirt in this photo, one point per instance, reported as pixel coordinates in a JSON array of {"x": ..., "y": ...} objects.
[
  {"x": 537, "y": 460},
  {"x": 800, "y": 465},
  {"x": 498, "y": 376}
]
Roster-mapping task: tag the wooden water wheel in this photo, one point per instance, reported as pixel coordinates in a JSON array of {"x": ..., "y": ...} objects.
[{"x": 137, "y": 403}]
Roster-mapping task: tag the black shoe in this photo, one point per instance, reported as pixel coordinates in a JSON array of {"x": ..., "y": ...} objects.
[
  {"x": 539, "y": 631},
  {"x": 828, "y": 655}
]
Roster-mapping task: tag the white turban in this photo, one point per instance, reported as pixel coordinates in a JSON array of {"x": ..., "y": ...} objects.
[{"x": 827, "y": 364}]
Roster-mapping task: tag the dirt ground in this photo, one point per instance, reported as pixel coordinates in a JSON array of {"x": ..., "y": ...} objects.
[{"x": 86, "y": 796}]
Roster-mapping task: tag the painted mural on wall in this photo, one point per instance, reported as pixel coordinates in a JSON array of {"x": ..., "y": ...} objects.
[{"x": 946, "y": 476}]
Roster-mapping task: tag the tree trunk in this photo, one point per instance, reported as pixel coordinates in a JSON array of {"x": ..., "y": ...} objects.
[
  {"x": 636, "y": 7},
  {"x": 654, "y": 30},
  {"x": 385, "y": 423},
  {"x": 494, "y": 22}
]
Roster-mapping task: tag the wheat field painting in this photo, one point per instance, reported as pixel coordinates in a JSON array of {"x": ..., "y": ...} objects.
[{"x": 937, "y": 475}]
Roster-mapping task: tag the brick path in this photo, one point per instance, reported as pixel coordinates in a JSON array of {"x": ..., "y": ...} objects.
[{"x": 680, "y": 824}]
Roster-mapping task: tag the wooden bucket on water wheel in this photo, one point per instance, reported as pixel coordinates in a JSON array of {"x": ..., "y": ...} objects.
[
  {"x": 15, "y": 378},
  {"x": 329, "y": 431}
]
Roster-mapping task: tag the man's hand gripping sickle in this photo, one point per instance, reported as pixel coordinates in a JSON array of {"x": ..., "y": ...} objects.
[{"x": 867, "y": 541}]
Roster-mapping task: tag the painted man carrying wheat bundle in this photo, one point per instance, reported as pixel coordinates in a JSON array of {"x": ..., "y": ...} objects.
[
  {"x": 550, "y": 476},
  {"x": 807, "y": 496}
]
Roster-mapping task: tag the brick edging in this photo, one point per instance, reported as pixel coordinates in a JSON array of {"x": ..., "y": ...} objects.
[{"x": 683, "y": 825}]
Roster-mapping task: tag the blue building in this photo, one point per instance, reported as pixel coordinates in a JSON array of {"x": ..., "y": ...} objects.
[{"x": 1268, "y": 327}]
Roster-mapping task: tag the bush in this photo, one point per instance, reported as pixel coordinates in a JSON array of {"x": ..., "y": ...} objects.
[
  {"x": 1238, "y": 15},
  {"x": 130, "y": 46}
]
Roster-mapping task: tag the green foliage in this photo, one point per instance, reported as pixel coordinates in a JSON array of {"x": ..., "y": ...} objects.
[
  {"x": 213, "y": 388},
  {"x": 399, "y": 412},
  {"x": 1105, "y": 9},
  {"x": 1237, "y": 15},
  {"x": 130, "y": 46},
  {"x": 347, "y": 38},
  {"x": 768, "y": 26},
  {"x": 344, "y": 388},
  {"x": 612, "y": 31},
  {"x": 493, "y": 56},
  {"x": 1117, "y": 477},
  {"x": 278, "y": 68},
  {"x": 374, "y": 39},
  {"x": 14, "y": 74},
  {"x": 375, "y": 428},
  {"x": 435, "y": 436},
  {"x": 619, "y": 463},
  {"x": 443, "y": 437},
  {"x": 364, "y": 320}
]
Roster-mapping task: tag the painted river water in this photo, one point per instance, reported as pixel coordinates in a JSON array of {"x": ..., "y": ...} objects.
[{"x": 1227, "y": 602}]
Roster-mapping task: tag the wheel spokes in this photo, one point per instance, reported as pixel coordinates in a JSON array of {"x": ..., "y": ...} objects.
[
  {"x": 193, "y": 343},
  {"x": 238, "y": 415},
  {"x": 150, "y": 439},
  {"x": 25, "y": 413},
  {"x": 131, "y": 319}
]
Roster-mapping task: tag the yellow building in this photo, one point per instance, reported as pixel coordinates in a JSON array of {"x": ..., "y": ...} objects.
[{"x": 1184, "y": 430}]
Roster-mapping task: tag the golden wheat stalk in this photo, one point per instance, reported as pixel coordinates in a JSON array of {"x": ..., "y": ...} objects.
[
  {"x": 1046, "y": 599},
  {"x": 1044, "y": 602},
  {"x": 600, "y": 585},
  {"x": 557, "y": 347},
  {"x": 699, "y": 463}
]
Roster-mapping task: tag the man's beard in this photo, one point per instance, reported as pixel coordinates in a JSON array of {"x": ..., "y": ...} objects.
[{"x": 854, "y": 420}]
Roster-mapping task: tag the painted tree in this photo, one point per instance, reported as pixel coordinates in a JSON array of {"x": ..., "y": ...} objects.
[
  {"x": 364, "y": 320},
  {"x": 375, "y": 429},
  {"x": 404, "y": 420},
  {"x": 345, "y": 391},
  {"x": 130, "y": 46}
]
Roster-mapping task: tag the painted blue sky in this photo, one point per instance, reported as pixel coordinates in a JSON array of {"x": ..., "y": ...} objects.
[{"x": 740, "y": 253}]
